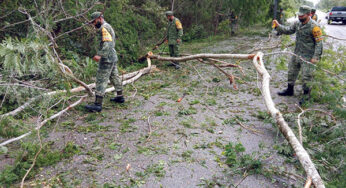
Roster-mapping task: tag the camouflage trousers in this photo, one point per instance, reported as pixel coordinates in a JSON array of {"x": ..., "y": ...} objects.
[
  {"x": 174, "y": 50},
  {"x": 107, "y": 71},
  {"x": 293, "y": 70},
  {"x": 233, "y": 26}
]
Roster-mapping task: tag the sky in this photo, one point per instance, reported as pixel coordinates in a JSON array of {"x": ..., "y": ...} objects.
[{"x": 314, "y": 1}]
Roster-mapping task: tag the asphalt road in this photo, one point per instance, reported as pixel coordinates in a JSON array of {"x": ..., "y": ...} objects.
[{"x": 336, "y": 29}]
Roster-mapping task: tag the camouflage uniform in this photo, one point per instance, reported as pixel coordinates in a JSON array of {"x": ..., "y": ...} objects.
[
  {"x": 174, "y": 32},
  {"x": 282, "y": 18},
  {"x": 107, "y": 63},
  {"x": 315, "y": 17},
  {"x": 232, "y": 22},
  {"x": 107, "y": 68},
  {"x": 308, "y": 46}
]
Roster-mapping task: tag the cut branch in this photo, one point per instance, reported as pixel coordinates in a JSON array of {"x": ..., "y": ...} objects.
[
  {"x": 63, "y": 68},
  {"x": 140, "y": 73},
  {"x": 301, "y": 153},
  {"x": 75, "y": 90},
  {"x": 40, "y": 125},
  {"x": 203, "y": 56},
  {"x": 305, "y": 61},
  {"x": 334, "y": 37},
  {"x": 78, "y": 15}
]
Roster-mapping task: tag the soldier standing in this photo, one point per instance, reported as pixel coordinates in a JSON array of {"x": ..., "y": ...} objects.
[
  {"x": 232, "y": 21},
  {"x": 282, "y": 17},
  {"x": 314, "y": 15},
  {"x": 107, "y": 68},
  {"x": 173, "y": 37},
  {"x": 308, "y": 46}
]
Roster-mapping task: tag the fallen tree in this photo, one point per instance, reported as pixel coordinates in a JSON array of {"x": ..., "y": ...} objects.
[
  {"x": 301, "y": 153},
  {"x": 131, "y": 77},
  {"x": 126, "y": 80}
]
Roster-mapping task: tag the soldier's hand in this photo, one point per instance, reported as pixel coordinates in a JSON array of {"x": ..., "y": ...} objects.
[
  {"x": 97, "y": 58},
  {"x": 275, "y": 23},
  {"x": 166, "y": 41},
  {"x": 178, "y": 41},
  {"x": 313, "y": 61}
]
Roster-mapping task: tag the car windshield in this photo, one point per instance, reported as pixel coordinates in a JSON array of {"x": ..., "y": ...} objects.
[{"x": 339, "y": 9}]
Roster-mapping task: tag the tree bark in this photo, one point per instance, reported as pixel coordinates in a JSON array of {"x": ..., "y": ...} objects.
[{"x": 203, "y": 56}]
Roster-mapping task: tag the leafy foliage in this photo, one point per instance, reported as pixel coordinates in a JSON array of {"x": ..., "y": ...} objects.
[
  {"x": 47, "y": 156},
  {"x": 328, "y": 89},
  {"x": 240, "y": 162}
]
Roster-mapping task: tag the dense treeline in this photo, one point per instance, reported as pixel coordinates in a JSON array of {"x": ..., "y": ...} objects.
[
  {"x": 137, "y": 23},
  {"x": 328, "y": 4}
]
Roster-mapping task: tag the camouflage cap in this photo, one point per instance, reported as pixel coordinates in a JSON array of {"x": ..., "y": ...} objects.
[
  {"x": 169, "y": 13},
  {"x": 304, "y": 10},
  {"x": 95, "y": 15},
  {"x": 313, "y": 10}
]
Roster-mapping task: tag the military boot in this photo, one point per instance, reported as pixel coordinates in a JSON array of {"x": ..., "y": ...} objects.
[
  {"x": 305, "y": 98},
  {"x": 97, "y": 106},
  {"x": 177, "y": 66},
  {"x": 171, "y": 64},
  {"x": 119, "y": 98},
  {"x": 287, "y": 92}
]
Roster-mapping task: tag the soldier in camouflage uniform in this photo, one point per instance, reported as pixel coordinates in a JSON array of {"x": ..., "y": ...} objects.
[
  {"x": 314, "y": 15},
  {"x": 173, "y": 37},
  {"x": 282, "y": 18},
  {"x": 308, "y": 46},
  {"x": 107, "y": 68},
  {"x": 232, "y": 21}
]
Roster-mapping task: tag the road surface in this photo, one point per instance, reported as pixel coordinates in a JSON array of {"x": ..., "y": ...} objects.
[{"x": 336, "y": 29}]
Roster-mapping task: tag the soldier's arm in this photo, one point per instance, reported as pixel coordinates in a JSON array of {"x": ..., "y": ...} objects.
[
  {"x": 107, "y": 40},
  {"x": 288, "y": 30},
  {"x": 317, "y": 33},
  {"x": 179, "y": 26}
]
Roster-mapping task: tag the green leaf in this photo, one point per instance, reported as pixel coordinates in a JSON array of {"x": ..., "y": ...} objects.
[{"x": 3, "y": 150}]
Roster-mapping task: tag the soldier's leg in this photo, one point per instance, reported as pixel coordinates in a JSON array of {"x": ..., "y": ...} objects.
[
  {"x": 102, "y": 77},
  {"x": 293, "y": 70},
  {"x": 171, "y": 54},
  {"x": 176, "y": 50},
  {"x": 176, "y": 54},
  {"x": 118, "y": 85},
  {"x": 232, "y": 28},
  {"x": 307, "y": 76},
  {"x": 171, "y": 50}
]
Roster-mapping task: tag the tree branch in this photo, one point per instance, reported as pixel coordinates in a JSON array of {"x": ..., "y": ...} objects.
[
  {"x": 140, "y": 73},
  {"x": 301, "y": 153},
  {"x": 203, "y": 56},
  {"x": 305, "y": 61}
]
